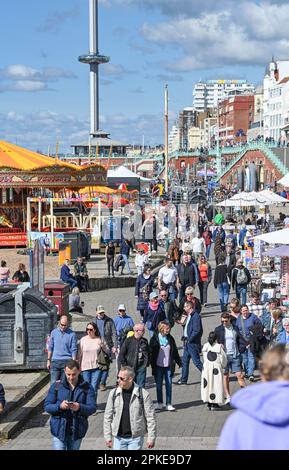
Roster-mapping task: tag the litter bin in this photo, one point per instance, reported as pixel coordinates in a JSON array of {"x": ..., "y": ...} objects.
[
  {"x": 64, "y": 251},
  {"x": 26, "y": 320},
  {"x": 58, "y": 293},
  {"x": 80, "y": 244}
]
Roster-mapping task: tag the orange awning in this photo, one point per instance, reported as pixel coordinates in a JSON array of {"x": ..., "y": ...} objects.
[{"x": 12, "y": 156}]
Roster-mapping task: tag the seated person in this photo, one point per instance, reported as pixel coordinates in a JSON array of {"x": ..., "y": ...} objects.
[
  {"x": 21, "y": 275},
  {"x": 81, "y": 275},
  {"x": 66, "y": 275}
]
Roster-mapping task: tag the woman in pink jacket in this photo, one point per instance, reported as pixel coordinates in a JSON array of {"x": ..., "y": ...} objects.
[{"x": 4, "y": 272}]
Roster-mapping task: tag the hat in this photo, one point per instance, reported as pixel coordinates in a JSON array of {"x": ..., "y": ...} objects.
[
  {"x": 153, "y": 295},
  {"x": 189, "y": 290},
  {"x": 100, "y": 309},
  {"x": 121, "y": 307}
]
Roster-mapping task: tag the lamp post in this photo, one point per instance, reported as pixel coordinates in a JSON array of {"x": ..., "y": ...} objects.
[{"x": 166, "y": 137}]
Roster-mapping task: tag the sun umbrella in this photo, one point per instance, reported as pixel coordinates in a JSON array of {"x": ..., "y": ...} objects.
[{"x": 275, "y": 198}]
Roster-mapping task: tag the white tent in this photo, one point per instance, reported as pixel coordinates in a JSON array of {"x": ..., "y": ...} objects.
[
  {"x": 124, "y": 172},
  {"x": 284, "y": 181},
  {"x": 275, "y": 198},
  {"x": 244, "y": 199},
  {"x": 278, "y": 237}
]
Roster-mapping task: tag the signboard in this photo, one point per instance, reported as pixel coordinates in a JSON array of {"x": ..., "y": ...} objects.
[
  {"x": 284, "y": 276},
  {"x": 13, "y": 239}
]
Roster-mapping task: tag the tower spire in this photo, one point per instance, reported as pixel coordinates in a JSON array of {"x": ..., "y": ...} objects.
[{"x": 94, "y": 59}]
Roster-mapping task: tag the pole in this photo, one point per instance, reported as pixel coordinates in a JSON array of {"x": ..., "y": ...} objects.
[
  {"x": 28, "y": 223},
  {"x": 39, "y": 215},
  {"x": 52, "y": 223},
  {"x": 219, "y": 166},
  {"x": 57, "y": 148},
  {"x": 89, "y": 148},
  {"x": 166, "y": 137}
]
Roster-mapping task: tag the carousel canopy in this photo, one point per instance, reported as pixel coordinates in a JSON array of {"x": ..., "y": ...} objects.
[{"x": 12, "y": 156}]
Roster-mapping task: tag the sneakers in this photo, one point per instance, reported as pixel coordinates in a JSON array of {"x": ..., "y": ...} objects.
[
  {"x": 252, "y": 378},
  {"x": 227, "y": 400},
  {"x": 159, "y": 406},
  {"x": 170, "y": 408},
  {"x": 102, "y": 387},
  {"x": 179, "y": 382}
]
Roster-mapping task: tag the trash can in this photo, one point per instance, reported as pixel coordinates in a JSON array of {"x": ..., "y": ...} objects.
[
  {"x": 27, "y": 318},
  {"x": 64, "y": 251},
  {"x": 80, "y": 244},
  {"x": 58, "y": 293}
]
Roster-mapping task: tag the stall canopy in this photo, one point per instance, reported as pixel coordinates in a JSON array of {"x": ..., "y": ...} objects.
[
  {"x": 275, "y": 198},
  {"x": 124, "y": 175},
  {"x": 284, "y": 181},
  {"x": 244, "y": 199},
  {"x": 282, "y": 251},
  {"x": 278, "y": 237}
]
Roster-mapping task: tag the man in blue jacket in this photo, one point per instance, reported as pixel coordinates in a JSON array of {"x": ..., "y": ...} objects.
[
  {"x": 244, "y": 323},
  {"x": 66, "y": 275},
  {"x": 70, "y": 402},
  {"x": 193, "y": 331}
]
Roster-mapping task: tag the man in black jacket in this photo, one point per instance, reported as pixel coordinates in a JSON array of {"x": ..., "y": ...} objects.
[
  {"x": 170, "y": 307},
  {"x": 241, "y": 278},
  {"x": 134, "y": 353},
  {"x": 107, "y": 331},
  {"x": 186, "y": 276}
]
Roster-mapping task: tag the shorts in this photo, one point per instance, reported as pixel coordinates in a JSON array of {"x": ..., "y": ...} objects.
[{"x": 233, "y": 364}]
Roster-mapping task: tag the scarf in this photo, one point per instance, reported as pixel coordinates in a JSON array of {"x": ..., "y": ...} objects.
[
  {"x": 163, "y": 340},
  {"x": 154, "y": 306}
]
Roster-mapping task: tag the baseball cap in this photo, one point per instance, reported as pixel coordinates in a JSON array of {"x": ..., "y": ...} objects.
[
  {"x": 153, "y": 295},
  {"x": 100, "y": 309},
  {"x": 121, "y": 307},
  {"x": 189, "y": 290}
]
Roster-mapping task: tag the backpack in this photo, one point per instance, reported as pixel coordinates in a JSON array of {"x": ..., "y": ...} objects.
[
  {"x": 123, "y": 334},
  {"x": 145, "y": 291},
  {"x": 242, "y": 277}
]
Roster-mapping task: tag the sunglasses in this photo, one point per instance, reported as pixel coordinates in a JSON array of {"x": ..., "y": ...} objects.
[
  {"x": 121, "y": 310},
  {"x": 89, "y": 329},
  {"x": 121, "y": 378},
  {"x": 225, "y": 321},
  {"x": 61, "y": 324}
]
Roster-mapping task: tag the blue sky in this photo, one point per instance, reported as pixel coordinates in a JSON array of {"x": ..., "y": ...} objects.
[{"x": 44, "y": 90}]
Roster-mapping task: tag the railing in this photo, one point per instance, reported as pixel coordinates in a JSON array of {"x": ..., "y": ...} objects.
[
  {"x": 152, "y": 156},
  {"x": 256, "y": 146}
]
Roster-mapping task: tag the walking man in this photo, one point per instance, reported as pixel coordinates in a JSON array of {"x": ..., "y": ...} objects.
[
  {"x": 241, "y": 278},
  {"x": 62, "y": 347},
  {"x": 193, "y": 331},
  {"x": 134, "y": 353},
  {"x": 107, "y": 331},
  {"x": 70, "y": 402},
  {"x": 129, "y": 414}
]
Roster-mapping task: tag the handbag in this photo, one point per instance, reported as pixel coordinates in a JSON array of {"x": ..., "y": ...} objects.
[{"x": 103, "y": 359}]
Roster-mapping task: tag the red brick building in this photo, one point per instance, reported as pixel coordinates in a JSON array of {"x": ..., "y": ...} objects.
[{"x": 235, "y": 116}]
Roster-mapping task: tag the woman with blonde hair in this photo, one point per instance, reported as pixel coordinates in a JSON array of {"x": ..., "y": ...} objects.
[
  {"x": 74, "y": 301},
  {"x": 164, "y": 353},
  {"x": 261, "y": 419}
]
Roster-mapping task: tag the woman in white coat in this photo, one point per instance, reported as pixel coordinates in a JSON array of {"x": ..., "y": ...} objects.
[{"x": 215, "y": 360}]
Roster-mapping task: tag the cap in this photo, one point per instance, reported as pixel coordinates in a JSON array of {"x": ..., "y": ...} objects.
[
  {"x": 100, "y": 309},
  {"x": 121, "y": 307},
  {"x": 153, "y": 295},
  {"x": 189, "y": 290}
]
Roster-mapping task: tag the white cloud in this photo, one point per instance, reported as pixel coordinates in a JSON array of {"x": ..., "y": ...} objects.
[
  {"x": 115, "y": 70},
  {"x": 19, "y": 77},
  {"x": 245, "y": 36}
]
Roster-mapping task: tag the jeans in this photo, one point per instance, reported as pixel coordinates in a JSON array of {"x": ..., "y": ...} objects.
[
  {"x": 162, "y": 372},
  {"x": 93, "y": 377},
  {"x": 208, "y": 250},
  {"x": 224, "y": 290},
  {"x": 139, "y": 270},
  {"x": 104, "y": 376},
  {"x": 57, "y": 370},
  {"x": 203, "y": 286},
  {"x": 128, "y": 443},
  {"x": 182, "y": 293},
  {"x": 110, "y": 264},
  {"x": 248, "y": 360},
  {"x": 140, "y": 377},
  {"x": 71, "y": 282},
  {"x": 241, "y": 292},
  {"x": 125, "y": 259},
  {"x": 191, "y": 351},
  {"x": 68, "y": 444}
]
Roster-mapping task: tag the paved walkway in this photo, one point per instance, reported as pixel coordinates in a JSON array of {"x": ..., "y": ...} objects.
[{"x": 191, "y": 426}]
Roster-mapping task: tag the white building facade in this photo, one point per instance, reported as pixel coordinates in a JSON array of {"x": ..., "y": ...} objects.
[
  {"x": 174, "y": 139},
  {"x": 208, "y": 94},
  {"x": 276, "y": 100}
]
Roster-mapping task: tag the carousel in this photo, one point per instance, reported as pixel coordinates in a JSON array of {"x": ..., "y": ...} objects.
[{"x": 35, "y": 191}]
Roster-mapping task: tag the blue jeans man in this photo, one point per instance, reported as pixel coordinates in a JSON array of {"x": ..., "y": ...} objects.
[
  {"x": 224, "y": 290},
  {"x": 208, "y": 250},
  {"x": 128, "y": 443},
  {"x": 241, "y": 293},
  {"x": 68, "y": 444},
  {"x": 248, "y": 360},
  {"x": 140, "y": 377},
  {"x": 57, "y": 370},
  {"x": 93, "y": 377},
  {"x": 191, "y": 351},
  {"x": 125, "y": 258}
]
